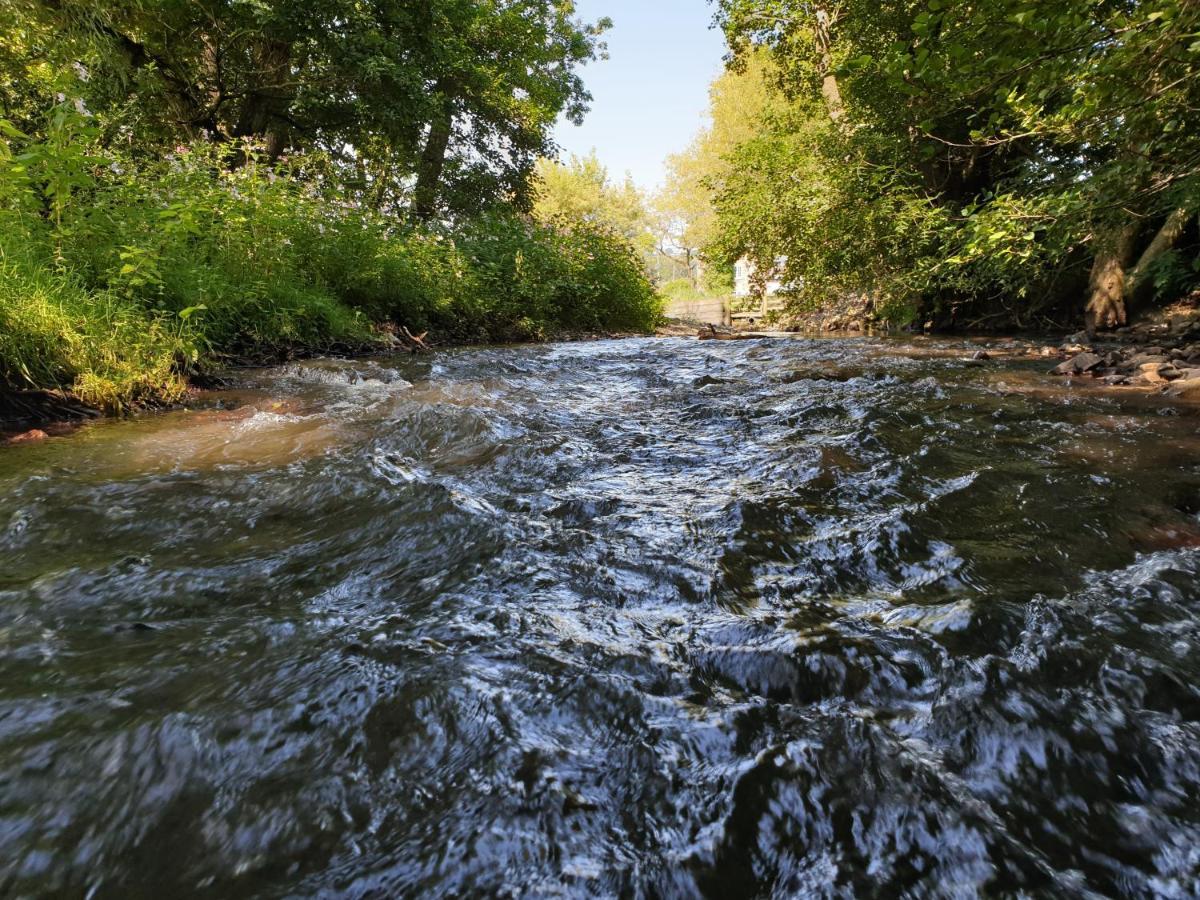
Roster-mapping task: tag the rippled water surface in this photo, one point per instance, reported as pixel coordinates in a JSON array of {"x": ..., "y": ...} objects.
[{"x": 645, "y": 618}]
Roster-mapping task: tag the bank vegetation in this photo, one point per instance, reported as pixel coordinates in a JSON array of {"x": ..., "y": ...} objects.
[{"x": 186, "y": 184}]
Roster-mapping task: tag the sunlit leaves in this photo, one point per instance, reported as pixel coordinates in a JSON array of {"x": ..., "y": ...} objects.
[{"x": 998, "y": 135}]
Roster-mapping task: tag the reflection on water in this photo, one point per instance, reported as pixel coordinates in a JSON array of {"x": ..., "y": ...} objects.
[{"x": 658, "y": 618}]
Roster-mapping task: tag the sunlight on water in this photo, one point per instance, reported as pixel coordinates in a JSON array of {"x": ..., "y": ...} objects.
[{"x": 656, "y": 618}]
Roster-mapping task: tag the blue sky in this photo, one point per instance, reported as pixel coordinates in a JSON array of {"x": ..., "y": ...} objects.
[{"x": 651, "y": 95}]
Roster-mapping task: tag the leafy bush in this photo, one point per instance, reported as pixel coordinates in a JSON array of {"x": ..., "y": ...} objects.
[
  {"x": 117, "y": 277},
  {"x": 533, "y": 279},
  {"x": 1171, "y": 275}
]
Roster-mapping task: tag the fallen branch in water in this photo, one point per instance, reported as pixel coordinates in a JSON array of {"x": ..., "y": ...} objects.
[
  {"x": 414, "y": 342},
  {"x": 724, "y": 335}
]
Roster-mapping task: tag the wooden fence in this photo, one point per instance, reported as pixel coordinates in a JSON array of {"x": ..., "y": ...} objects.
[
  {"x": 723, "y": 310},
  {"x": 710, "y": 309}
]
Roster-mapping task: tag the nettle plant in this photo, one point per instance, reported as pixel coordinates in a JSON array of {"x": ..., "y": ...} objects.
[{"x": 53, "y": 170}]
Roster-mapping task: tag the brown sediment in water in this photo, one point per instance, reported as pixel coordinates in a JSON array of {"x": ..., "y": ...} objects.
[{"x": 245, "y": 437}]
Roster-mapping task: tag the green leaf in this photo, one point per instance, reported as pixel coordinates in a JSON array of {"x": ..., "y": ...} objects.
[{"x": 8, "y": 129}]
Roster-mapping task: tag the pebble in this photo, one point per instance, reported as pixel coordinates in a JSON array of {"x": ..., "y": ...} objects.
[{"x": 25, "y": 437}]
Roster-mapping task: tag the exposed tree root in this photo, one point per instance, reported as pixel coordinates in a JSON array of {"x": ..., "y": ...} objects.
[{"x": 21, "y": 408}]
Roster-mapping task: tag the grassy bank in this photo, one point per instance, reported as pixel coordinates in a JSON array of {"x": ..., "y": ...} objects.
[{"x": 121, "y": 277}]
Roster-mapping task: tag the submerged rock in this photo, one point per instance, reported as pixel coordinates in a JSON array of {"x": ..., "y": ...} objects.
[
  {"x": 26, "y": 437},
  {"x": 1185, "y": 388}
]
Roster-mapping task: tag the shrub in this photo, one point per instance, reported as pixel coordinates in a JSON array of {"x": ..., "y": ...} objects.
[{"x": 118, "y": 277}]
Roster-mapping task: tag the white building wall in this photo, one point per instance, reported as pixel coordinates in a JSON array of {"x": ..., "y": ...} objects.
[{"x": 743, "y": 274}]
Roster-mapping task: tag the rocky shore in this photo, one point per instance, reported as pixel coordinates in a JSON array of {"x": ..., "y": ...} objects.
[{"x": 1162, "y": 353}]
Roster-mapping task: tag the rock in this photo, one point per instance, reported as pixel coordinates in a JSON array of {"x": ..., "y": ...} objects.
[
  {"x": 1079, "y": 364},
  {"x": 1144, "y": 359},
  {"x": 1080, "y": 337},
  {"x": 1158, "y": 373},
  {"x": 134, "y": 626},
  {"x": 981, "y": 355},
  {"x": 27, "y": 437},
  {"x": 1185, "y": 389}
]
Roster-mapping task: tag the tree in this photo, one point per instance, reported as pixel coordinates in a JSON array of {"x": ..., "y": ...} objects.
[
  {"x": 503, "y": 72},
  {"x": 452, "y": 100},
  {"x": 581, "y": 190},
  {"x": 739, "y": 100},
  {"x": 1004, "y": 153}
]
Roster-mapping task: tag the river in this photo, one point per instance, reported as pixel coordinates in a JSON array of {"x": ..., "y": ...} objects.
[{"x": 653, "y": 618}]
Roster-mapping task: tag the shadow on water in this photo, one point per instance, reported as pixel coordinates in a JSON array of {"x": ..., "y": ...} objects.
[{"x": 649, "y": 618}]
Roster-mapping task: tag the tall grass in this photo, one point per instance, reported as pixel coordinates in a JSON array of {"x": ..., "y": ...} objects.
[
  {"x": 54, "y": 333},
  {"x": 119, "y": 278}
]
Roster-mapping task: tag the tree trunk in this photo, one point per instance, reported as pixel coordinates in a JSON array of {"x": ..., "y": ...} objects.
[
  {"x": 829, "y": 83},
  {"x": 1166, "y": 238},
  {"x": 264, "y": 112},
  {"x": 1106, "y": 302},
  {"x": 433, "y": 157}
]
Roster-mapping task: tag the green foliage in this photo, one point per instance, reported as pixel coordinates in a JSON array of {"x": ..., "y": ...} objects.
[
  {"x": 961, "y": 161},
  {"x": 119, "y": 275},
  {"x": 55, "y": 333},
  {"x": 580, "y": 190},
  {"x": 717, "y": 281},
  {"x": 680, "y": 289},
  {"x": 531, "y": 279},
  {"x": 368, "y": 83},
  {"x": 1172, "y": 275},
  {"x": 740, "y": 100}
]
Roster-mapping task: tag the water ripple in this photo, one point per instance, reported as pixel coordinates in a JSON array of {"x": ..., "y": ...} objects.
[{"x": 639, "y": 618}]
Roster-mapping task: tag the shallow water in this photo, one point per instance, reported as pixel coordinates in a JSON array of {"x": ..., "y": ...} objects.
[{"x": 641, "y": 618}]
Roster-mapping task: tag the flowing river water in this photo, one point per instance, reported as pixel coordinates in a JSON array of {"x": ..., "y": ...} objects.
[{"x": 652, "y": 618}]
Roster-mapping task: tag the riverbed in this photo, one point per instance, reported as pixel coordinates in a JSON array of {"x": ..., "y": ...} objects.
[{"x": 657, "y": 617}]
